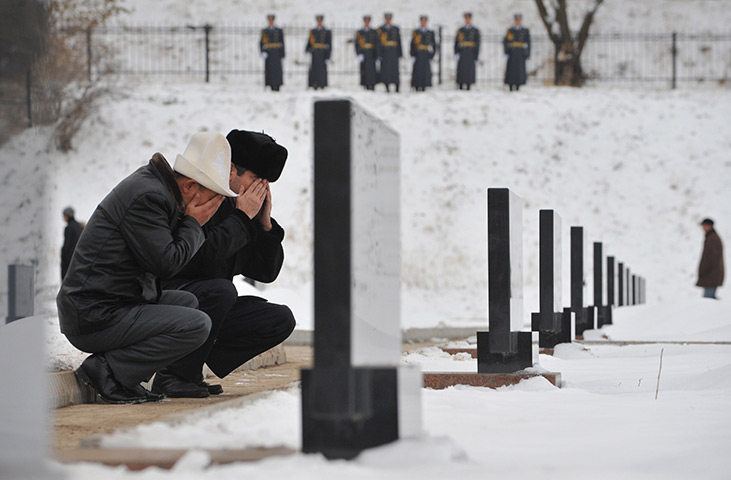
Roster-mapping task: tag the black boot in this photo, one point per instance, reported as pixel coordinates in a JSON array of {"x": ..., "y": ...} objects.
[
  {"x": 214, "y": 389},
  {"x": 96, "y": 373},
  {"x": 174, "y": 386}
]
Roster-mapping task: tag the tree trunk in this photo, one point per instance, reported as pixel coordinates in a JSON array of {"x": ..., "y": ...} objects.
[{"x": 568, "y": 65}]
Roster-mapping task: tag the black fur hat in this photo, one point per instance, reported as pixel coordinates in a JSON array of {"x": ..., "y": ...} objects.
[{"x": 257, "y": 152}]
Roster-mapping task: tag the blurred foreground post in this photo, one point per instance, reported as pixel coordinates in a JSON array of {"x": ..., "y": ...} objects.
[
  {"x": 20, "y": 292},
  {"x": 357, "y": 395},
  {"x": 24, "y": 406}
]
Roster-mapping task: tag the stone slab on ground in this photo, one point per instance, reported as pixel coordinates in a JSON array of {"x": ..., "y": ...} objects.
[
  {"x": 141, "y": 458},
  {"x": 65, "y": 389},
  {"x": 441, "y": 380}
]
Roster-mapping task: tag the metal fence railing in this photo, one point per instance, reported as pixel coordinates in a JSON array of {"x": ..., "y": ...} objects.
[{"x": 231, "y": 52}]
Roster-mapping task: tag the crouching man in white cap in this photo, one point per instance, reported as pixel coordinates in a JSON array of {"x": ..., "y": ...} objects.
[
  {"x": 242, "y": 238},
  {"x": 146, "y": 229}
]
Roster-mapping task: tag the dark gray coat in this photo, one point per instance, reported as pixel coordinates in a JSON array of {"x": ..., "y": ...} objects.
[
  {"x": 517, "y": 47},
  {"x": 272, "y": 43},
  {"x": 137, "y": 235},
  {"x": 710, "y": 270}
]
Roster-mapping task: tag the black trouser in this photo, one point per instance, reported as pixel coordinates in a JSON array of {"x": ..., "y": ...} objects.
[{"x": 242, "y": 328}]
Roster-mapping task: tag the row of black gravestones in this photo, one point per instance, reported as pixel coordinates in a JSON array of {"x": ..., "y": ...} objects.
[
  {"x": 357, "y": 395},
  {"x": 553, "y": 323}
]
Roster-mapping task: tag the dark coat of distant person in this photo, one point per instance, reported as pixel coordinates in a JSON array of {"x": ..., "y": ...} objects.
[
  {"x": 319, "y": 46},
  {"x": 71, "y": 235},
  {"x": 389, "y": 52},
  {"x": 711, "y": 269},
  {"x": 272, "y": 43},
  {"x": 423, "y": 49},
  {"x": 467, "y": 46},
  {"x": 516, "y": 45},
  {"x": 366, "y": 41}
]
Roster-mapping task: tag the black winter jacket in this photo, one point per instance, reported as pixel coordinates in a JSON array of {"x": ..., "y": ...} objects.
[
  {"x": 235, "y": 245},
  {"x": 136, "y": 235}
]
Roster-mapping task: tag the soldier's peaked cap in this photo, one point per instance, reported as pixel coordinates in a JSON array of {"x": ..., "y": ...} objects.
[
  {"x": 257, "y": 152},
  {"x": 270, "y": 15},
  {"x": 366, "y": 17},
  {"x": 388, "y": 15},
  {"x": 423, "y": 17},
  {"x": 468, "y": 14},
  {"x": 319, "y": 17}
]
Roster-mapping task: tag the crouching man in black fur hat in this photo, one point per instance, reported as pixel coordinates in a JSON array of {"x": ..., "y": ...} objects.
[{"x": 241, "y": 239}]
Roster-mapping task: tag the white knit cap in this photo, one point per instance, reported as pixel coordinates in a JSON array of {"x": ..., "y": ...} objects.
[{"x": 207, "y": 160}]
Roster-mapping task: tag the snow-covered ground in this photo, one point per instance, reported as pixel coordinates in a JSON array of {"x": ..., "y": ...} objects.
[
  {"x": 604, "y": 422},
  {"x": 638, "y": 168}
]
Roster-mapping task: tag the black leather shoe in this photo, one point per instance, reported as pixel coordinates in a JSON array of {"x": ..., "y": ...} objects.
[
  {"x": 212, "y": 389},
  {"x": 96, "y": 373},
  {"x": 149, "y": 396},
  {"x": 174, "y": 386}
]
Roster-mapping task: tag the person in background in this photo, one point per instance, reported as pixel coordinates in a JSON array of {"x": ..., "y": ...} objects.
[
  {"x": 271, "y": 46},
  {"x": 423, "y": 49},
  {"x": 389, "y": 52},
  {"x": 467, "y": 51},
  {"x": 516, "y": 45},
  {"x": 711, "y": 269},
  {"x": 146, "y": 229},
  {"x": 319, "y": 47},
  {"x": 71, "y": 235},
  {"x": 366, "y": 40},
  {"x": 242, "y": 238}
]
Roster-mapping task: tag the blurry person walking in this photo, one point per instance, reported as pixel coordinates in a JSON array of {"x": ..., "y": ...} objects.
[
  {"x": 71, "y": 235},
  {"x": 710, "y": 270}
]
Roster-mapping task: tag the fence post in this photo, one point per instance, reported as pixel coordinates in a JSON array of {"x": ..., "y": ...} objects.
[
  {"x": 88, "y": 53},
  {"x": 28, "y": 98},
  {"x": 675, "y": 60},
  {"x": 439, "y": 47},
  {"x": 207, "y": 28}
]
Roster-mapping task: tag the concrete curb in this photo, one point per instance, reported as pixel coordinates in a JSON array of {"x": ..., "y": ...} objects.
[{"x": 65, "y": 389}]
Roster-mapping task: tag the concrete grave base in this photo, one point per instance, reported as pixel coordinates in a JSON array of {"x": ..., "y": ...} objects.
[
  {"x": 442, "y": 380},
  {"x": 473, "y": 351},
  {"x": 65, "y": 389},
  {"x": 141, "y": 458}
]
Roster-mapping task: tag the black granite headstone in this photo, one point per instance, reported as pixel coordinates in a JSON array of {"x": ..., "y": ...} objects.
[
  {"x": 20, "y": 292},
  {"x": 600, "y": 308},
  {"x": 583, "y": 316},
  {"x": 620, "y": 284},
  {"x": 634, "y": 289},
  {"x": 357, "y": 395},
  {"x": 551, "y": 322},
  {"x": 504, "y": 348},
  {"x": 610, "y": 291}
]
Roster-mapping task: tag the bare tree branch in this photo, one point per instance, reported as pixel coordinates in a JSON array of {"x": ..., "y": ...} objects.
[
  {"x": 544, "y": 17},
  {"x": 584, "y": 32}
]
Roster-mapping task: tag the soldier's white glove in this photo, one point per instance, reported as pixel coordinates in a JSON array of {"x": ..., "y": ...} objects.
[
  {"x": 264, "y": 55},
  {"x": 361, "y": 57},
  {"x": 456, "y": 56},
  {"x": 327, "y": 62},
  {"x": 413, "y": 60}
]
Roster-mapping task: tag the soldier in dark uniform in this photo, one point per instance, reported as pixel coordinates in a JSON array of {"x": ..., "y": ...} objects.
[
  {"x": 389, "y": 51},
  {"x": 517, "y": 50},
  {"x": 366, "y": 40},
  {"x": 466, "y": 51},
  {"x": 271, "y": 46},
  {"x": 423, "y": 49},
  {"x": 319, "y": 46}
]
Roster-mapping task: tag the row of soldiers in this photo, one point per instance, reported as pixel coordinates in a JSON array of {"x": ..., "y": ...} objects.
[{"x": 379, "y": 51}]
